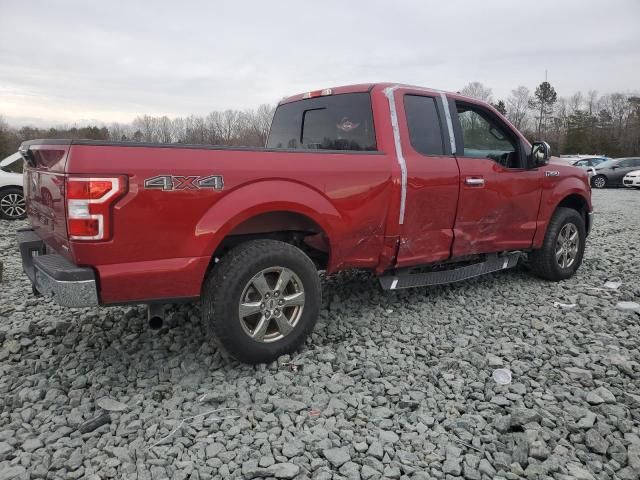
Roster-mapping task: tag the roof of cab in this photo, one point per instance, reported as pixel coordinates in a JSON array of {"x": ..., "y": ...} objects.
[{"x": 367, "y": 87}]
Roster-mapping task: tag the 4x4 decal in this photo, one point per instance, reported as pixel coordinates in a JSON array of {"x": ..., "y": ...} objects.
[{"x": 177, "y": 182}]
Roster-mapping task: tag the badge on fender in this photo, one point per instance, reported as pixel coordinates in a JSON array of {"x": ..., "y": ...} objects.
[{"x": 177, "y": 182}]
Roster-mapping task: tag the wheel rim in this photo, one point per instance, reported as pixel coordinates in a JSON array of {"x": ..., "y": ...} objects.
[
  {"x": 599, "y": 182},
  {"x": 12, "y": 205},
  {"x": 567, "y": 245},
  {"x": 271, "y": 304}
]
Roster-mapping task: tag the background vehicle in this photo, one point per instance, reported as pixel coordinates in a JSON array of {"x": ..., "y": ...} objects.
[
  {"x": 12, "y": 204},
  {"x": 632, "y": 179},
  {"x": 611, "y": 172},
  {"x": 419, "y": 186},
  {"x": 589, "y": 162}
]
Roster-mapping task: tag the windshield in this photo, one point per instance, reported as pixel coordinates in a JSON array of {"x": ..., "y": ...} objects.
[
  {"x": 12, "y": 164},
  {"x": 333, "y": 122},
  {"x": 608, "y": 163}
]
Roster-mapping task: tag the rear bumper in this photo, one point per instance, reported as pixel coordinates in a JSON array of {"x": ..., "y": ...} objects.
[{"x": 53, "y": 275}]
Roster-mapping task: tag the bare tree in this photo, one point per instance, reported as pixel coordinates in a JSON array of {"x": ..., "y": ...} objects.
[
  {"x": 477, "y": 90},
  {"x": 517, "y": 107},
  {"x": 592, "y": 101}
]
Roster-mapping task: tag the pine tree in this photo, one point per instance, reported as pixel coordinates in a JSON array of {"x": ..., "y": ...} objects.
[
  {"x": 542, "y": 103},
  {"x": 500, "y": 106}
]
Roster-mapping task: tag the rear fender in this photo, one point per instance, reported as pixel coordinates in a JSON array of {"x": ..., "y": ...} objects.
[{"x": 249, "y": 200}]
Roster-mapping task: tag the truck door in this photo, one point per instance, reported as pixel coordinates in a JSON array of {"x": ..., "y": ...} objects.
[
  {"x": 432, "y": 179},
  {"x": 499, "y": 196}
]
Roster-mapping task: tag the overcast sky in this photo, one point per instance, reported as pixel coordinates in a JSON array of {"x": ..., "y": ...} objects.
[{"x": 79, "y": 61}]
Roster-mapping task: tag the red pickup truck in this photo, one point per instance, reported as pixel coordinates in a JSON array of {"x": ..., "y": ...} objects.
[{"x": 419, "y": 186}]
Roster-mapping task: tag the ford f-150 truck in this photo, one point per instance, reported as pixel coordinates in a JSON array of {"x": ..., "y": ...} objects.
[{"x": 419, "y": 186}]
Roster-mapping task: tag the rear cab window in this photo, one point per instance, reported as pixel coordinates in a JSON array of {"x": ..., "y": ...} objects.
[{"x": 333, "y": 122}]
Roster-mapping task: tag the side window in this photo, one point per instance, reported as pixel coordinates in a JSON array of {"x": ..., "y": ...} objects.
[
  {"x": 637, "y": 162},
  {"x": 425, "y": 132},
  {"x": 582, "y": 163},
  {"x": 483, "y": 137},
  {"x": 625, "y": 163}
]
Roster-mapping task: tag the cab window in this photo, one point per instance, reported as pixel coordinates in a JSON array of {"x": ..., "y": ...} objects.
[
  {"x": 425, "y": 132},
  {"x": 333, "y": 122},
  {"x": 485, "y": 137}
]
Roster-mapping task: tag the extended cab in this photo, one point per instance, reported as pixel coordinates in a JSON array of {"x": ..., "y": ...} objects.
[{"x": 420, "y": 186}]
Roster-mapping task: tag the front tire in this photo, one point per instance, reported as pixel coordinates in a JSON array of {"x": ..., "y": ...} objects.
[
  {"x": 12, "y": 204},
  {"x": 563, "y": 247},
  {"x": 261, "y": 300},
  {"x": 599, "y": 181}
]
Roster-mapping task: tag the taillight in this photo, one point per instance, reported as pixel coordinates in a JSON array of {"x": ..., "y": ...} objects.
[
  {"x": 318, "y": 93},
  {"x": 89, "y": 201}
]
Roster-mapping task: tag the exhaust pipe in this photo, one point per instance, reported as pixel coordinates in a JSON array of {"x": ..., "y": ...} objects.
[{"x": 155, "y": 316}]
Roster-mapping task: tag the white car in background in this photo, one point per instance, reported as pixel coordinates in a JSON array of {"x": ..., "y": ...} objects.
[
  {"x": 12, "y": 206},
  {"x": 632, "y": 179}
]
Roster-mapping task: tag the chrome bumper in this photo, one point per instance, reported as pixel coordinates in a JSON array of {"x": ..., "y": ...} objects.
[{"x": 54, "y": 276}]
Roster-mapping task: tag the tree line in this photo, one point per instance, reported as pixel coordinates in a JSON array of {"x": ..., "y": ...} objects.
[
  {"x": 590, "y": 123},
  {"x": 228, "y": 127},
  {"x": 581, "y": 123}
]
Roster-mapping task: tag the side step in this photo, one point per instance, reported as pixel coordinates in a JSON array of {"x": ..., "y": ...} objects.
[{"x": 406, "y": 279}]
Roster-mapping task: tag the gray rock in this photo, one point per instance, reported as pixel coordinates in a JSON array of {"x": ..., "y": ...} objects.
[
  {"x": 5, "y": 450},
  {"x": 111, "y": 405},
  {"x": 375, "y": 450},
  {"x": 587, "y": 421},
  {"x": 337, "y": 456},
  {"x": 32, "y": 444},
  {"x": 539, "y": 450},
  {"x": 596, "y": 442},
  {"x": 288, "y": 405},
  {"x": 578, "y": 472},
  {"x": 522, "y": 416},
  {"x": 387, "y": 436},
  {"x": 486, "y": 468},
  {"x": 284, "y": 470}
]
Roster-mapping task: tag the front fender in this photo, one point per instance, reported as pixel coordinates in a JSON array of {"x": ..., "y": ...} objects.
[
  {"x": 552, "y": 195},
  {"x": 249, "y": 200}
]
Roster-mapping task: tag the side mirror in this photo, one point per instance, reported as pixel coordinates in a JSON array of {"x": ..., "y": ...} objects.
[{"x": 540, "y": 153}]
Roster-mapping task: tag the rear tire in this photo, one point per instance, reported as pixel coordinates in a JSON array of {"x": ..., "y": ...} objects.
[
  {"x": 599, "y": 181},
  {"x": 12, "y": 205},
  {"x": 563, "y": 247},
  {"x": 261, "y": 300}
]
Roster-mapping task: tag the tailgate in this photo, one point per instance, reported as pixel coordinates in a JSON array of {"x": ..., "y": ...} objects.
[{"x": 44, "y": 183}]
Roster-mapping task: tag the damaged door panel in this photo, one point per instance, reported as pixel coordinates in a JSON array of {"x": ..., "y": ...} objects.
[{"x": 499, "y": 194}]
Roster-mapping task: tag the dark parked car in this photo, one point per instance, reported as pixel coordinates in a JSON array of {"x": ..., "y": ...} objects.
[{"x": 611, "y": 172}]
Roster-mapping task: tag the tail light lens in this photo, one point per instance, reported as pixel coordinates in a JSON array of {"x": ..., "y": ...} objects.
[{"x": 89, "y": 202}]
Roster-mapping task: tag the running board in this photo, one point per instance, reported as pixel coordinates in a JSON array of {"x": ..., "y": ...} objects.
[{"x": 405, "y": 279}]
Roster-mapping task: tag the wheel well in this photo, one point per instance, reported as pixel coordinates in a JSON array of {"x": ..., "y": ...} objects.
[
  {"x": 7, "y": 187},
  {"x": 577, "y": 203},
  {"x": 290, "y": 227}
]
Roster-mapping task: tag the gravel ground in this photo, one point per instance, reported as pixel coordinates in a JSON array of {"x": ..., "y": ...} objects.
[{"x": 391, "y": 384}]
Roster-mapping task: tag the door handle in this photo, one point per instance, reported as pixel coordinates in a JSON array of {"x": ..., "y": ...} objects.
[{"x": 475, "y": 182}]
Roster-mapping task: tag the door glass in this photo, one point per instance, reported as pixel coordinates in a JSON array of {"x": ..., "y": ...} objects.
[
  {"x": 423, "y": 122},
  {"x": 484, "y": 138}
]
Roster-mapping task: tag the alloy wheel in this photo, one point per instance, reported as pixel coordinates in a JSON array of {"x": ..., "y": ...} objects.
[
  {"x": 13, "y": 205},
  {"x": 567, "y": 245},
  {"x": 599, "y": 182},
  {"x": 271, "y": 304}
]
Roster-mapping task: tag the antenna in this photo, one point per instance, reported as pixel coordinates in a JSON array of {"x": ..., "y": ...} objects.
[{"x": 545, "y": 75}]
